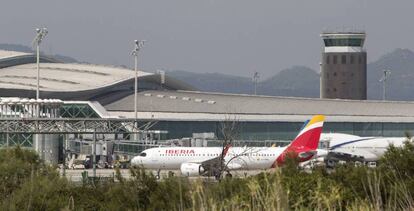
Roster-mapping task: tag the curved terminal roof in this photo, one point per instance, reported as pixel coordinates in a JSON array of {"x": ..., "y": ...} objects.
[
  {"x": 71, "y": 81},
  {"x": 10, "y": 54},
  {"x": 13, "y": 58},
  {"x": 64, "y": 77}
]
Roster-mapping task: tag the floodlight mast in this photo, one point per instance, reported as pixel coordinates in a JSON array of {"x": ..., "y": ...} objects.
[
  {"x": 384, "y": 78},
  {"x": 138, "y": 46},
  {"x": 255, "y": 79},
  {"x": 40, "y": 35}
]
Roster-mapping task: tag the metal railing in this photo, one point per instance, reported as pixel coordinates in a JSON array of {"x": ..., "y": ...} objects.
[{"x": 70, "y": 126}]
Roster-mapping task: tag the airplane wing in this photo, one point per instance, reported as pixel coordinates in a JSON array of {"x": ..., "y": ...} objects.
[
  {"x": 344, "y": 156},
  {"x": 360, "y": 155}
]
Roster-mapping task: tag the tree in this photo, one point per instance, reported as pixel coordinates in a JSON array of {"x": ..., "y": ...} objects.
[{"x": 230, "y": 130}]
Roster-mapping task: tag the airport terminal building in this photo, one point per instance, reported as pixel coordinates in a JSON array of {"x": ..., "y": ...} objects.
[{"x": 97, "y": 91}]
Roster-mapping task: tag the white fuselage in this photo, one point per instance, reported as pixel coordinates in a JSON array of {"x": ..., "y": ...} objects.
[
  {"x": 171, "y": 158},
  {"x": 371, "y": 148}
]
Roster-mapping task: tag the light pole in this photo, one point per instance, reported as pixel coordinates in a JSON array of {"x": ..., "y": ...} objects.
[
  {"x": 384, "y": 78},
  {"x": 40, "y": 34},
  {"x": 255, "y": 78},
  {"x": 320, "y": 80},
  {"x": 138, "y": 45}
]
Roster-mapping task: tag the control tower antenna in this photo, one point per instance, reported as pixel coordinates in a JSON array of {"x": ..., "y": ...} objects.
[{"x": 384, "y": 78}]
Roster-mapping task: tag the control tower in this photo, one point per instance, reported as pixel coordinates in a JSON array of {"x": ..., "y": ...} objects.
[{"x": 344, "y": 66}]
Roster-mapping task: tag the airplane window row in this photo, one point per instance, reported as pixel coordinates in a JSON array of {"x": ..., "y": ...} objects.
[
  {"x": 189, "y": 154},
  {"x": 254, "y": 155},
  {"x": 231, "y": 154}
]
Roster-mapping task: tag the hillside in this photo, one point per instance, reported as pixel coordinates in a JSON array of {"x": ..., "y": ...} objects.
[
  {"x": 22, "y": 48},
  {"x": 295, "y": 81},
  {"x": 400, "y": 85},
  {"x": 304, "y": 82}
]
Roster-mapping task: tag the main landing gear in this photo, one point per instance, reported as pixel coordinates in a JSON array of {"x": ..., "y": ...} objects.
[
  {"x": 229, "y": 175},
  {"x": 158, "y": 174}
]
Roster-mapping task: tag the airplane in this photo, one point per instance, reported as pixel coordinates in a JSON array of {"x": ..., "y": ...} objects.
[
  {"x": 346, "y": 147},
  {"x": 207, "y": 161}
]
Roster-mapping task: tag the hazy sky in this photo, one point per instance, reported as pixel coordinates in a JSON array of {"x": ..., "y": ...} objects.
[{"x": 228, "y": 36}]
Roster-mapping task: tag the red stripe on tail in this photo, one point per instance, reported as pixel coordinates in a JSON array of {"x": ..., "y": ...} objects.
[{"x": 304, "y": 146}]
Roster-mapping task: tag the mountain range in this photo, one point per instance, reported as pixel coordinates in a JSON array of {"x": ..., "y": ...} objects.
[
  {"x": 297, "y": 81},
  {"x": 400, "y": 84},
  {"x": 300, "y": 81},
  {"x": 23, "y": 48}
]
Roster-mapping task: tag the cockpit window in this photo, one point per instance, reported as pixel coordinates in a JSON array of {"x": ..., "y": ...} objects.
[{"x": 143, "y": 154}]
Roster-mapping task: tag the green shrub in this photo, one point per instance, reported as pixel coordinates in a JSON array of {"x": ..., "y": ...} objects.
[
  {"x": 28, "y": 184},
  {"x": 40, "y": 193},
  {"x": 16, "y": 166}
]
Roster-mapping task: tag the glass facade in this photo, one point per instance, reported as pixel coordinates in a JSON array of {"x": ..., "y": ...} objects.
[
  {"x": 281, "y": 130},
  {"x": 343, "y": 42},
  {"x": 23, "y": 140},
  {"x": 77, "y": 111},
  {"x": 253, "y": 133},
  {"x": 66, "y": 111},
  {"x": 131, "y": 148}
]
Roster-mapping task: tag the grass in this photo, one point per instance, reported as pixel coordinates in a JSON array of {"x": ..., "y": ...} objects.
[{"x": 28, "y": 184}]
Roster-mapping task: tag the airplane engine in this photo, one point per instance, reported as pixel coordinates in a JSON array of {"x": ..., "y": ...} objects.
[
  {"x": 191, "y": 169},
  {"x": 307, "y": 155}
]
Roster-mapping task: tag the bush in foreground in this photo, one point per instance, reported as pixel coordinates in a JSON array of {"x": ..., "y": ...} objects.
[{"x": 28, "y": 184}]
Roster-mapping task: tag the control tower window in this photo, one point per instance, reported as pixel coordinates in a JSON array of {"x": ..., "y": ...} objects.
[
  {"x": 334, "y": 59},
  {"x": 355, "y": 42},
  {"x": 351, "y": 58},
  {"x": 360, "y": 60},
  {"x": 343, "y": 59},
  {"x": 327, "y": 59}
]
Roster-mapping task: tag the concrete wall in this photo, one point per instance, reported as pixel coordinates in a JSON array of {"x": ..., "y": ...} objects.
[{"x": 344, "y": 75}]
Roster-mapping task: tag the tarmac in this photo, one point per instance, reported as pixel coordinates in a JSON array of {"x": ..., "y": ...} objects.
[{"x": 75, "y": 175}]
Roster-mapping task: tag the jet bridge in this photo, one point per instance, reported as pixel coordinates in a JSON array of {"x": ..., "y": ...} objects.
[{"x": 39, "y": 124}]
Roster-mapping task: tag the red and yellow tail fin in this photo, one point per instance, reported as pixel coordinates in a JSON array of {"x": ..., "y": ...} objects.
[
  {"x": 306, "y": 142},
  {"x": 310, "y": 134}
]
